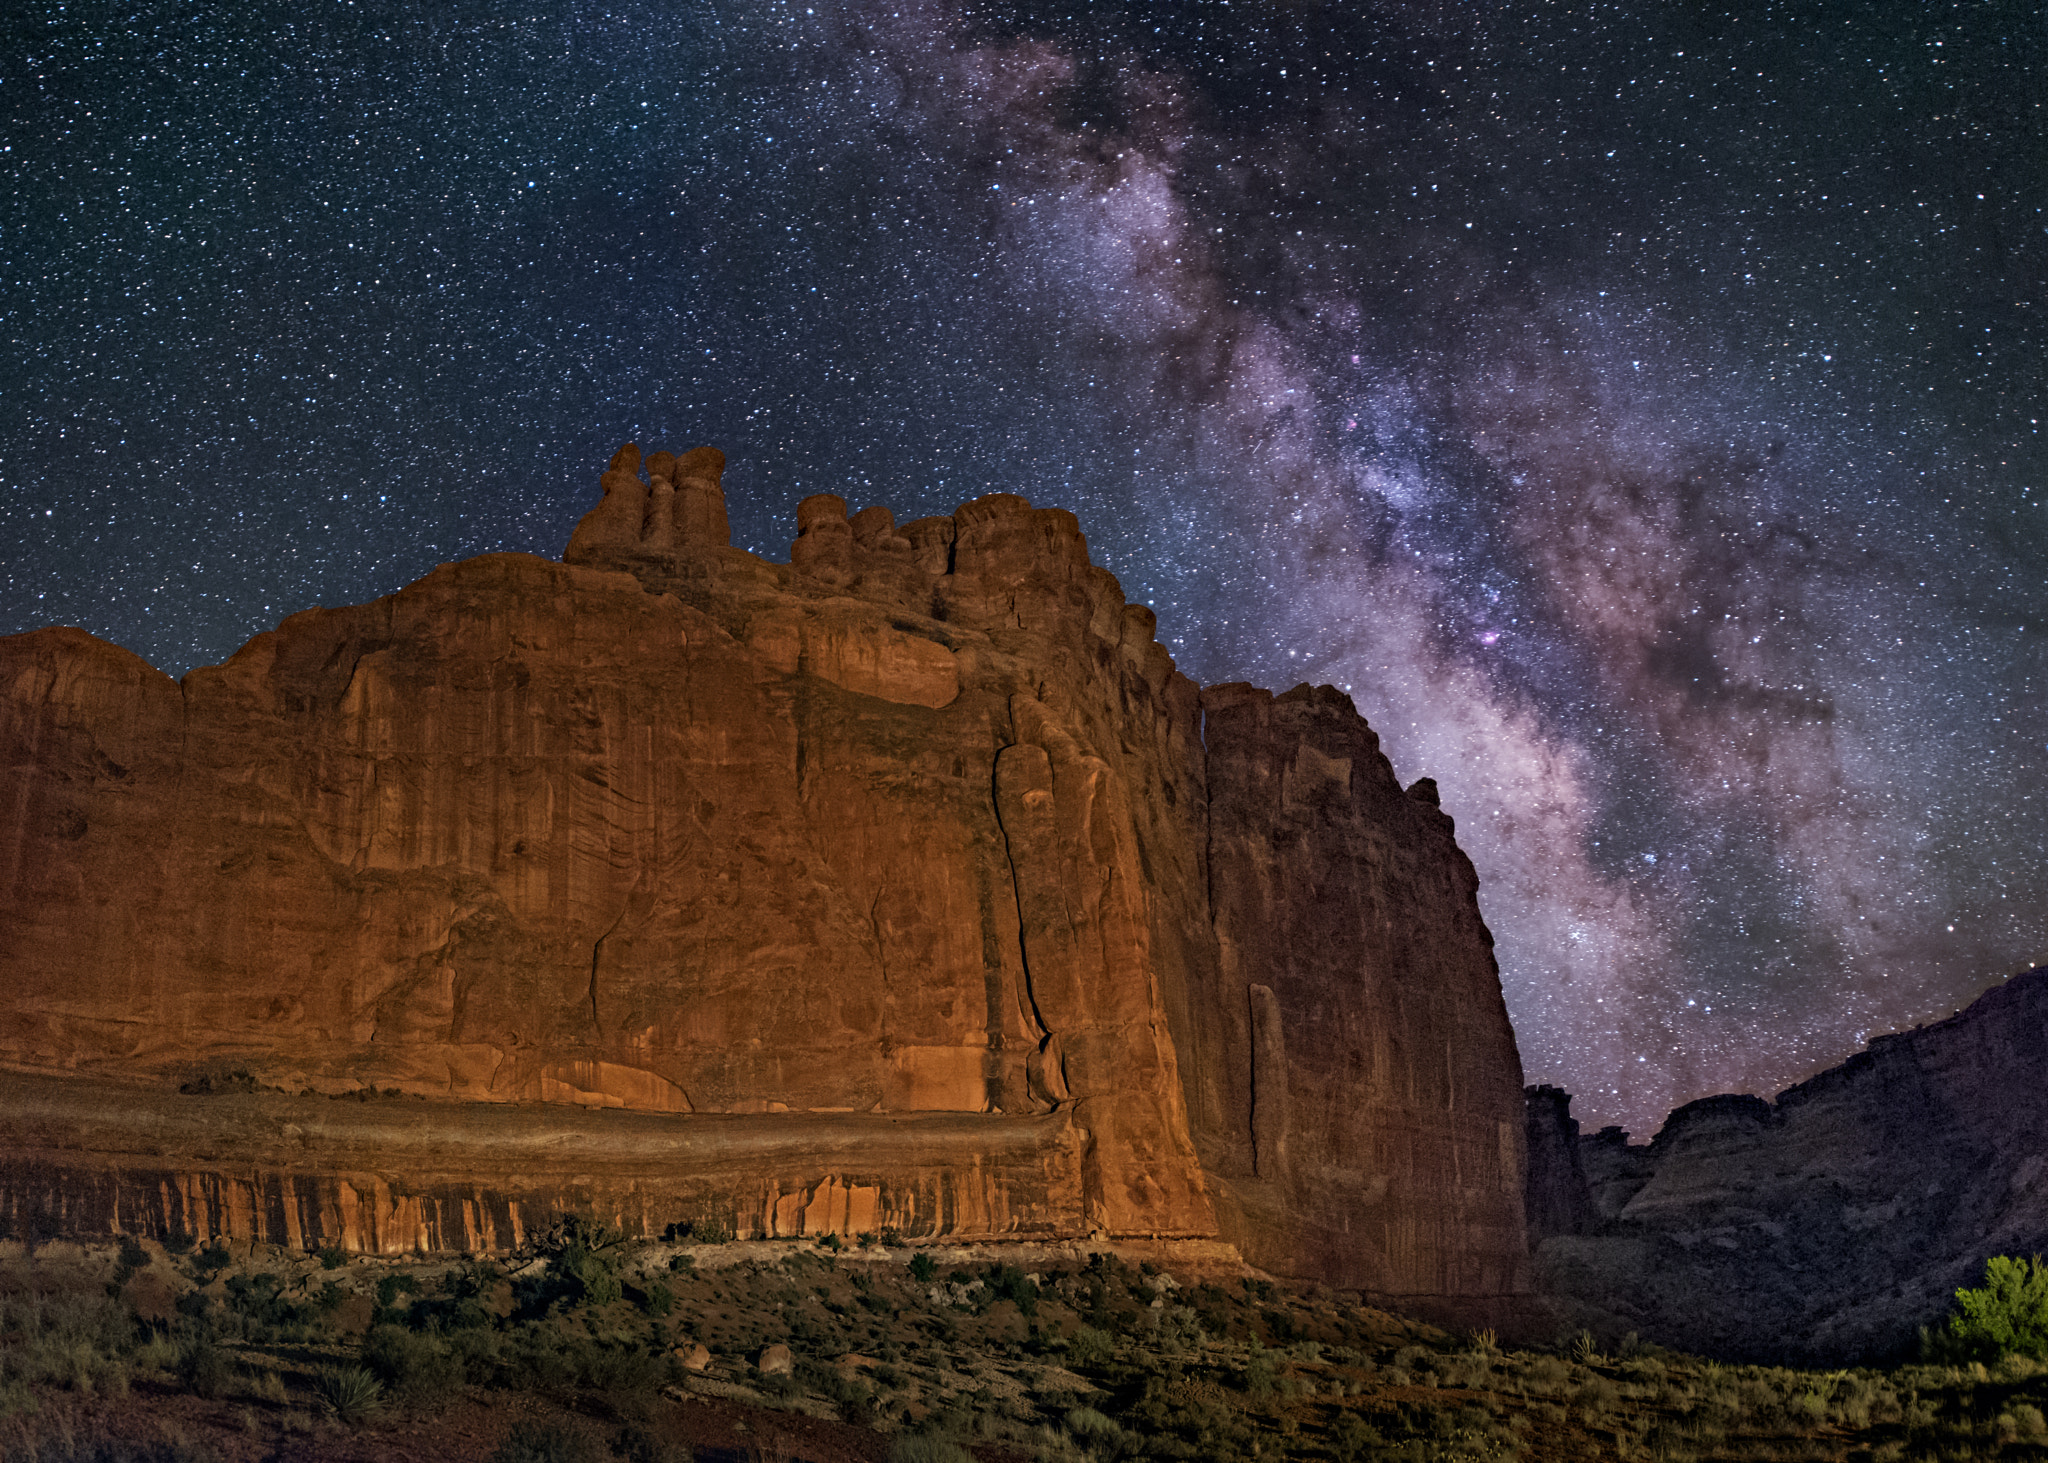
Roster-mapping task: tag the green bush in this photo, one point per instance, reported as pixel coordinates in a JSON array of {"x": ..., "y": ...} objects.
[
  {"x": 658, "y": 1299},
  {"x": 2007, "y": 1315},
  {"x": 1090, "y": 1347},
  {"x": 923, "y": 1267},
  {"x": 1007, "y": 1282}
]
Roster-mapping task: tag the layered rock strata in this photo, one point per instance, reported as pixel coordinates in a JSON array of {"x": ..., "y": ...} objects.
[
  {"x": 907, "y": 885},
  {"x": 1826, "y": 1226}
]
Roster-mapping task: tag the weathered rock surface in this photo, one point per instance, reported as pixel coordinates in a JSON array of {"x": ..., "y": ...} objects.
[
  {"x": 1831, "y": 1224},
  {"x": 895, "y": 887},
  {"x": 1342, "y": 1049}
]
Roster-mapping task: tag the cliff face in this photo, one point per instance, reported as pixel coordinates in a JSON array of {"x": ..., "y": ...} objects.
[
  {"x": 894, "y": 887},
  {"x": 1829, "y": 1225},
  {"x": 1559, "y": 1196}
]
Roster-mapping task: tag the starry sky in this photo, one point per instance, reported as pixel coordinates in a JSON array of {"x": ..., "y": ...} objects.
[{"x": 1635, "y": 407}]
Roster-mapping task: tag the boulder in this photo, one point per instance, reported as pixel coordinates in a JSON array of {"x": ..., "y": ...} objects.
[{"x": 775, "y": 1361}]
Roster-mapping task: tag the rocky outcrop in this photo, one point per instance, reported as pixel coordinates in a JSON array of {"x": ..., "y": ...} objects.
[
  {"x": 1558, "y": 1198},
  {"x": 905, "y": 885},
  {"x": 1830, "y": 1224},
  {"x": 1341, "y": 1053}
]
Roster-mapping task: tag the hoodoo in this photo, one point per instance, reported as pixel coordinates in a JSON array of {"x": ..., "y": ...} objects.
[{"x": 906, "y": 885}]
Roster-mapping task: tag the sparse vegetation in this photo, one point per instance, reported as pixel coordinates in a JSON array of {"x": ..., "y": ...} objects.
[
  {"x": 945, "y": 1352},
  {"x": 351, "y": 1393}
]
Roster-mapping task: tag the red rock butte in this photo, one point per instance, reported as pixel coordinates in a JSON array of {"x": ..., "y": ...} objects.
[{"x": 903, "y": 886}]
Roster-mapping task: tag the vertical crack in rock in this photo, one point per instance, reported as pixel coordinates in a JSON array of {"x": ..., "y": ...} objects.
[
  {"x": 1269, "y": 1085},
  {"x": 1023, "y": 795}
]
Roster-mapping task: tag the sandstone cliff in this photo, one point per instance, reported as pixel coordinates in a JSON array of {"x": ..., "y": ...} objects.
[
  {"x": 904, "y": 885},
  {"x": 1829, "y": 1225}
]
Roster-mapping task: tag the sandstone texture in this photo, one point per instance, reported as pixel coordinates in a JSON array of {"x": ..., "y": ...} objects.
[
  {"x": 906, "y": 885},
  {"x": 1826, "y": 1226}
]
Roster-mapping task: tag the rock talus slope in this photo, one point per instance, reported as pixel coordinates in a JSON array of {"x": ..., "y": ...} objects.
[
  {"x": 907, "y": 885},
  {"x": 1826, "y": 1226}
]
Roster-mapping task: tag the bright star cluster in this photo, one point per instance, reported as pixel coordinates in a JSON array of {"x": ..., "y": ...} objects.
[{"x": 1636, "y": 408}]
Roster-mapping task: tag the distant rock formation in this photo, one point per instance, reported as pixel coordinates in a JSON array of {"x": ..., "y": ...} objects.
[
  {"x": 907, "y": 885},
  {"x": 1559, "y": 1195},
  {"x": 1827, "y": 1226}
]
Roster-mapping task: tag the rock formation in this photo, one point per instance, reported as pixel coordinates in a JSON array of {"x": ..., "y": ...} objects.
[
  {"x": 907, "y": 885},
  {"x": 1559, "y": 1196},
  {"x": 1826, "y": 1226}
]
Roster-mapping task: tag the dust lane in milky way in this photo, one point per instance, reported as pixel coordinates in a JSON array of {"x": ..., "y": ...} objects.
[{"x": 1635, "y": 410}]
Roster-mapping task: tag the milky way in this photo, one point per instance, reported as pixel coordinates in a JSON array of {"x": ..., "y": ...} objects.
[{"x": 1635, "y": 410}]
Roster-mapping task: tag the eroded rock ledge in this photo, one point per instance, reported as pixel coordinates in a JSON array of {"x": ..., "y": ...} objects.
[{"x": 911, "y": 871}]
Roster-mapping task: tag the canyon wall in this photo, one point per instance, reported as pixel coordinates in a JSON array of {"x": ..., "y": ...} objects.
[
  {"x": 906, "y": 885},
  {"x": 1824, "y": 1227}
]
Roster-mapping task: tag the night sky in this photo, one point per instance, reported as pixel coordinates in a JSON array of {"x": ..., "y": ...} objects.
[{"x": 1635, "y": 408}]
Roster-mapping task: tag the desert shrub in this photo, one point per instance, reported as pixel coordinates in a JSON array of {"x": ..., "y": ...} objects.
[
  {"x": 1260, "y": 1372},
  {"x": 923, "y": 1267},
  {"x": 1355, "y": 1438},
  {"x": 706, "y": 1229},
  {"x": 1180, "y": 1329},
  {"x": 414, "y": 1367},
  {"x": 204, "y": 1368},
  {"x": 658, "y": 1299},
  {"x": 545, "y": 1442},
  {"x": 1095, "y": 1432},
  {"x": 924, "y": 1448},
  {"x": 1090, "y": 1347},
  {"x": 1598, "y": 1395},
  {"x": 332, "y": 1257},
  {"x": 591, "y": 1276},
  {"x": 1808, "y": 1409},
  {"x": 1547, "y": 1374},
  {"x": 351, "y": 1393},
  {"x": 456, "y": 1304},
  {"x": 133, "y": 1257},
  {"x": 1007, "y": 1282},
  {"x": 2007, "y": 1314},
  {"x": 76, "y": 1341},
  {"x": 210, "y": 1261},
  {"x": 542, "y": 1358},
  {"x": 259, "y": 1298},
  {"x": 1644, "y": 1369},
  {"x": 854, "y": 1398},
  {"x": 638, "y": 1444}
]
